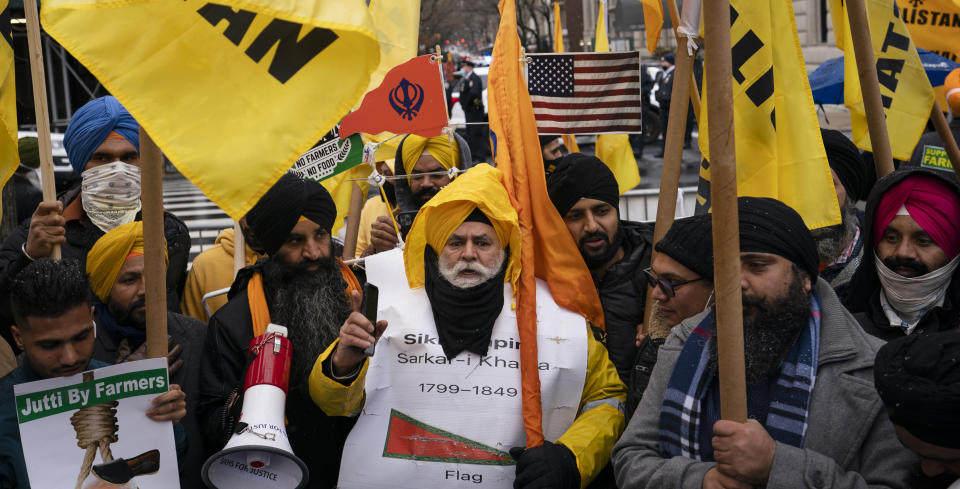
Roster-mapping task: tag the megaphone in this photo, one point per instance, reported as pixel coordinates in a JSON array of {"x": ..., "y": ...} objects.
[{"x": 259, "y": 453}]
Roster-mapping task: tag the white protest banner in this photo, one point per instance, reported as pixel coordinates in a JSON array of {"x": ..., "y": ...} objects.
[{"x": 90, "y": 430}]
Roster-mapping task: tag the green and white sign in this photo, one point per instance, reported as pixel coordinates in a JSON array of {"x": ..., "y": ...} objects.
[
  {"x": 330, "y": 156},
  {"x": 936, "y": 157},
  {"x": 65, "y": 420}
]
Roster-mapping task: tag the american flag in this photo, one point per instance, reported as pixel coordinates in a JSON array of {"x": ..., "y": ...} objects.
[{"x": 585, "y": 93}]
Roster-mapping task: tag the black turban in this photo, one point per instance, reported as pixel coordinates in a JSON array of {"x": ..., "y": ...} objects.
[
  {"x": 770, "y": 226},
  {"x": 846, "y": 162},
  {"x": 689, "y": 241},
  {"x": 918, "y": 378},
  {"x": 579, "y": 176},
  {"x": 278, "y": 211}
]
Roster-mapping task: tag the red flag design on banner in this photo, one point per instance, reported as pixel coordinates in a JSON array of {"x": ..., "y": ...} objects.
[{"x": 410, "y": 100}]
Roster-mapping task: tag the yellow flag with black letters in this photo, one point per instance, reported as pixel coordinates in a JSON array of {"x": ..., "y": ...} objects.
[
  {"x": 905, "y": 90},
  {"x": 934, "y": 25},
  {"x": 779, "y": 151},
  {"x": 9, "y": 156},
  {"x": 232, "y": 91}
]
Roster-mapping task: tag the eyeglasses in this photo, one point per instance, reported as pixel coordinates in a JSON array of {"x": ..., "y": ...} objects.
[{"x": 670, "y": 289}]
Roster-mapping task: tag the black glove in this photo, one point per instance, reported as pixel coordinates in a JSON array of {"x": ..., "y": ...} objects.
[{"x": 548, "y": 466}]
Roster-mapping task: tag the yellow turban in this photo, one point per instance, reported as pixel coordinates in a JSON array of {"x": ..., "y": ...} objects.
[
  {"x": 110, "y": 252},
  {"x": 480, "y": 187},
  {"x": 438, "y": 146}
]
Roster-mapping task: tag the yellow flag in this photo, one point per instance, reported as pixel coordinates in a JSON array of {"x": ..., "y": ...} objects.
[
  {"x": 904, "y": 87},
  {"x": 777, "y": 136},
  {"x": 652, "y": 22},
  {"x": 341, "y": 188},
  {"x": 233, "y": 92},
  {"x": 614, "y": 149},
  {"x": 569, "y": 140},
  {"x": 398, "y": 24},
  {"x": 934, "y": 25},
  {"x": 9, "y": 156}
]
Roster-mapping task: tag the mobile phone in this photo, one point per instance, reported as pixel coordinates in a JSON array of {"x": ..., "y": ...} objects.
[{"x": 370, "y": 296}]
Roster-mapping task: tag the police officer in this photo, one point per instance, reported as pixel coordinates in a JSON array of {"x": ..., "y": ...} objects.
[{"x": 471, "y": 100}]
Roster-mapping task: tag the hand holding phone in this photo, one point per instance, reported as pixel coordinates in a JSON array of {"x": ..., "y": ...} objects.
[{"x": 370, "y": 297}]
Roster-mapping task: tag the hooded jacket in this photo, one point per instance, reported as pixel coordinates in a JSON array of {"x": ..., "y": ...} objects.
[
  {"x": 623, "y": 290},
  {"x": 863, "y": 293},
  {"x": 212, "y": 270}
]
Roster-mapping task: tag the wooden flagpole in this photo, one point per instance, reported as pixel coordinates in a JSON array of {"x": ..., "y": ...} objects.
[
  {"x": 672, "y": 164},
  {"x": 943, "y": 130},
  {"x": 870, "y": 86},
  {"x": 154, "y": 266},
  {"x": 40, "y": 107},
  {"x": 353, "y": 222},
  {"x": 239, "y": 248},
  {"x": 726, "y": 232}
]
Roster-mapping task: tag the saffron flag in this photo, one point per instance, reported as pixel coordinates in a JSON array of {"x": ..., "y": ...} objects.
[
  {"x": 546, "y": 241},
  {"x": 934, "y": 25},
  {"x": 779, "y": 150},
  {"x": 569, "y": 140},
  {"x": 409, "y": 101},
  {"x": 614, "y": 149},
  {"x": 234, "y": 91},
  {"x": 9, "y": 155},
  {"x": 652, "y": 22},
  {"x": 904, "y": 87}
]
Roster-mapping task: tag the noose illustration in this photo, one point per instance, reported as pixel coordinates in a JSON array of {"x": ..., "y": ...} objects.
[{"x": 96, "y": 428}]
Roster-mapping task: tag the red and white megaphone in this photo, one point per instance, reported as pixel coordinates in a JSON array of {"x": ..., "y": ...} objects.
[{"x": 259, "y": 453}]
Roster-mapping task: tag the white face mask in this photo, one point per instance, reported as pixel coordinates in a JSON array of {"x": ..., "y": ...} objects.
[
  {"x": 111, "y": 194},
  {"x": 909, "y": 295}
]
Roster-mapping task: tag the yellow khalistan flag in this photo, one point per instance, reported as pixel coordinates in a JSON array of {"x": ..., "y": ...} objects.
[
  {"x": 904, "y": 87},
  {"x": 233, "y": 92},
  {"x": 569, "y": 140},
  {"x": 777, "y": 136},
  {"x": 614, "y": 149},
  {"x": 9, "y": 156},
  {"x": 397, "y": 23}
]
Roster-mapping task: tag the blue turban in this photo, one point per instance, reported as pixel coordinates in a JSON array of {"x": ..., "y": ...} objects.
[{"x": 90, "y": 126}]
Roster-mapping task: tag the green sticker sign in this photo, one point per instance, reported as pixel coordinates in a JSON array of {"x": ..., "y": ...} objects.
[
  {"x": 40, "y": 404},
  {"x": 330, "y": 156},
  {"x": 936, "y": 157}
]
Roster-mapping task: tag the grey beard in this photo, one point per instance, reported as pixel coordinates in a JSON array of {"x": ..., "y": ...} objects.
[
  {"x": 771, "y": 333},
  {"x": 312, "y": 305},
  {"x": 832, "y": 240}
]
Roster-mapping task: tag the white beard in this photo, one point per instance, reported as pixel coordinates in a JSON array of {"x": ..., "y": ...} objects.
[{"x": 451, "y": 273}]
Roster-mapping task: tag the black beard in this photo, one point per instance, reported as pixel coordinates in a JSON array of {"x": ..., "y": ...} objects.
[
  {"x": 311, "y": 304},
  {"x": 771, "y": 332},
  {"x": 832, "y": 240},
  {"x": 918, "y": 267},
  {"x": 612, "y": 246},
  {"x": 424, "y": 195},
  {"x": 124, "y": 317}
]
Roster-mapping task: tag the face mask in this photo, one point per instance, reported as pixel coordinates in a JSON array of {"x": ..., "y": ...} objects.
[
  {"x": 111, "y": 194},
  {"x": 913, "y": 294}
]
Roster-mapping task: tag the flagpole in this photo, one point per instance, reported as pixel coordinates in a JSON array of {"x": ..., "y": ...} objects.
[
  {"x": 723, "y": 189},
  {"x": 154, "y": 244},
  {"x": 40, "y": 107},
  {"x": 870, "y": 86},
  {"x": 694, "y": 94},
  {"x": 672, "y": 164},
  {"x": 239, "y": 248},
  {"x": 353, "y": 222},
  {"x": 949, "y": 142}
]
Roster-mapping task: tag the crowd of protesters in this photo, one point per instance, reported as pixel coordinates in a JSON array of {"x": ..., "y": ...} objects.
[{"x": 851, "y": 333}]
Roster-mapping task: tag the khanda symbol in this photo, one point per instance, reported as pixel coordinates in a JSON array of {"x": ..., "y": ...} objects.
[{"x": 406, "y": 98}]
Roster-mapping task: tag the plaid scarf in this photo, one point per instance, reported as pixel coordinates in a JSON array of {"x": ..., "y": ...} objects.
[{"x": 682, "y": 411}]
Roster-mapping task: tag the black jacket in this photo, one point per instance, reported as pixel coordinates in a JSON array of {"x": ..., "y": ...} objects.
[
  {"x": 863, "y": 293},
  {"x": 81, "y": 235},
  {"x": 623, "y": 289},
  {"x": 471, "y": 93},
  {"x": 315, "y": 437},
  {"x": 189, "y": 333}
]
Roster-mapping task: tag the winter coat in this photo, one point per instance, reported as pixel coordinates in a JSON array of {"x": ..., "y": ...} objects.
[
  {"x": 849, "y": 442},
  {"x": 212, "y": 270}
]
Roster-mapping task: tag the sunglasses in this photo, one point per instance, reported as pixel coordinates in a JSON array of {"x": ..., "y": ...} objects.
[{"x": 670, "y": 289}]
